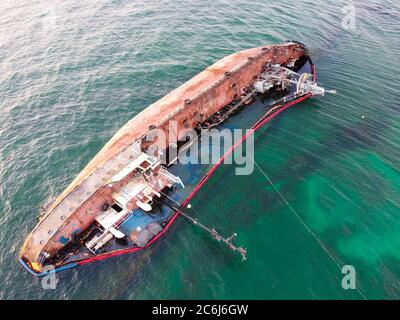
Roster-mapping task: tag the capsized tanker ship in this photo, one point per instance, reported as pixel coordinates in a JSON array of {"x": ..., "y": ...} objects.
[{"x": 119, "y": 202}]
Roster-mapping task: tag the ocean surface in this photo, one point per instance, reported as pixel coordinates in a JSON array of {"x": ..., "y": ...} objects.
[{"x": 73, "y": 72}]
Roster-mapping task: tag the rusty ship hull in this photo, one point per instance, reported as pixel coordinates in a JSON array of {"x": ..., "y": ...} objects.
[{"x": 121, "y": 180}]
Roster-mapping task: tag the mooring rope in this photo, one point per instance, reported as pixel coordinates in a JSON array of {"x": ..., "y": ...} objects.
[{"x": 324, "y": 248}]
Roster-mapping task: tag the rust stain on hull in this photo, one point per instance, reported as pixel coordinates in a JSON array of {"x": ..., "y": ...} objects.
[{"x": 193, "y": 102}]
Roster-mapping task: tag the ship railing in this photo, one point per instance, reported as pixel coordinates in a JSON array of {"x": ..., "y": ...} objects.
[{"x": 170, "y": 177}]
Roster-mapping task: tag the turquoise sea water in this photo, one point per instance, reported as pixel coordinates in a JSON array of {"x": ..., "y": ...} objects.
[{"x": 73, "y": 72}]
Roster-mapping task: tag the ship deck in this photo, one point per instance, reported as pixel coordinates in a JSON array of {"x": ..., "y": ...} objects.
[{"x": 118, "y": 152}]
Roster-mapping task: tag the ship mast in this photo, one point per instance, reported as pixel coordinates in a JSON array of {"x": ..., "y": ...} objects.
[{"x": 214, "y": 233}]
